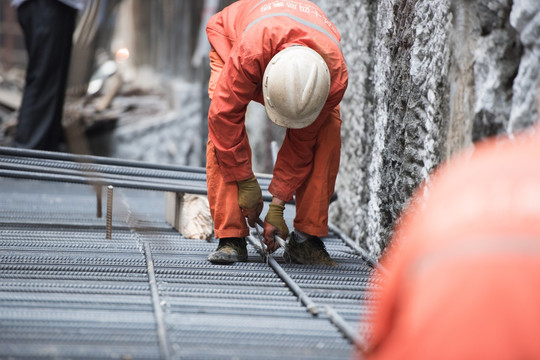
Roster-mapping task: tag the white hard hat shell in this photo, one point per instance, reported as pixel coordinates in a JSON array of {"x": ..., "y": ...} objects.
[{"x": 296, "y": 83}]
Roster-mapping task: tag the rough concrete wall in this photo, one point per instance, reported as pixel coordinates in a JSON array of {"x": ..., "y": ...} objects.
[
  {"x": 497, "y": 56},
  {"x": 174, "y": 135},
  {"x": 350, "y": 212},
  {"x": 525, "y": 18},
  {"x": 461, "y": 45},
  {"x": 427, "y": 79}
]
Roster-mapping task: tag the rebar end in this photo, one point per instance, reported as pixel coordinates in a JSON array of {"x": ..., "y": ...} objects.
[{"x": 313, "y": 309}]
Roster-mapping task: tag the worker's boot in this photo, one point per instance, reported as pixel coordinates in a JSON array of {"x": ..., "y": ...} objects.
[
  {"x": 229, "y": 251},
  {"x": 309, "y": 252}
]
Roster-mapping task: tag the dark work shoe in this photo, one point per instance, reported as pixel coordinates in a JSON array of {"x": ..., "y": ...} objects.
[
  {"x": 310, "y": 252},
  {"x": 229, "y": 251}
]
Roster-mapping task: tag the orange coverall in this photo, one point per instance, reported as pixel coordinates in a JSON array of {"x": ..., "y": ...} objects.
[
  {"x": 464, "y": 275},
  {"x": 244, "y": 37}
]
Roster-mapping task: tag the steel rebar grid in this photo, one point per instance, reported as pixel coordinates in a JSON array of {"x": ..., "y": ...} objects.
[
  {"x": 334, "y": 317},
  {"x": 201, "y": 301}
]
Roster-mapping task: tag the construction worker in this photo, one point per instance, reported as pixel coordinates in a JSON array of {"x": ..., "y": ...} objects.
[
  {"x": 464, "y": 274},
  {"x": 287, "y": 56}
]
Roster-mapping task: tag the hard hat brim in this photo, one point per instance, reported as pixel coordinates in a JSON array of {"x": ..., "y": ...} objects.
[{"x": 280, "y": 120}]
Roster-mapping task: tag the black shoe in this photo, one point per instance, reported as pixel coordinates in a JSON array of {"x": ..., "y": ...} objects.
[
  {"x": 229, "y": 251},
  {"x": 310, "y": 252}
]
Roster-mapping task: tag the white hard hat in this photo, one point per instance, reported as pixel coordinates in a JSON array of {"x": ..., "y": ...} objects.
[{"x": 296, "y": 83}]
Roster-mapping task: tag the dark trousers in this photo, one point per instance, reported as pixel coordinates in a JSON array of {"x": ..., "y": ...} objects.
[{"x": 48, "y": 27}]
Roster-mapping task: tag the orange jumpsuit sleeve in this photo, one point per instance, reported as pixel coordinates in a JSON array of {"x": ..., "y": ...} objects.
[{"x": 216, "y": 66}]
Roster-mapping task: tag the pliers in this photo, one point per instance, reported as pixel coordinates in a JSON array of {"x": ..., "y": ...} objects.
[{"x": 277, "y": 239}]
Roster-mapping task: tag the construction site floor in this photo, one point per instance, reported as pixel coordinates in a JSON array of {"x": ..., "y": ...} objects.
[{"x": 67, "y": 292}]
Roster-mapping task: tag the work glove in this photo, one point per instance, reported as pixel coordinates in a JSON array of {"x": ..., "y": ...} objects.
[
  {"x": 250, "y": 199},
  {"x": 274, "y": 224}
]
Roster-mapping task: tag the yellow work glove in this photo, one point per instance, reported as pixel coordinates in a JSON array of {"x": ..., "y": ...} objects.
[
  {"x": 250, "y": 199},
  {"x": 274, "y": 224}
]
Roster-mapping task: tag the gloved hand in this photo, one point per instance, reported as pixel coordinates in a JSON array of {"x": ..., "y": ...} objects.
[
  {"x": 274, "y": 224},
  {"x": 250, "y": 199}
]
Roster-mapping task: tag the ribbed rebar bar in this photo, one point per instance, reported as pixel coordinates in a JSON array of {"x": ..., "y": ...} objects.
[
  {"x": 95, "y": 173},
  {"x": 99, "y": 205},
  {"x": 199, "y": 189},
  {"x": 158, "y": 312},
  {"x": 90, "y": 159},
  {"x": 100, "y": 160},
  {"x": 359, "y": 251},
  {"x": 344, "y": 328},
  {"x": 104, "y": 181},
  {"x": 109, "y": 212},
  {"x": 304, "y": 299},
  {"x": 59, "y": 166}
]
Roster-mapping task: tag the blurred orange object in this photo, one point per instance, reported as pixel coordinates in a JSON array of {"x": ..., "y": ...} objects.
[{"x": 464, "y": 270}]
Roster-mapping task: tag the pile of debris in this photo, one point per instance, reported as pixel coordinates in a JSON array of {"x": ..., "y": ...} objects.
[
  {"x": 11, "y": 87},
  {"x": 108, "y": 102}
]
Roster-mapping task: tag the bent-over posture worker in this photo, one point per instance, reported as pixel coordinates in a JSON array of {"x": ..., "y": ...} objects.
[{"x": 287, "y": 56}]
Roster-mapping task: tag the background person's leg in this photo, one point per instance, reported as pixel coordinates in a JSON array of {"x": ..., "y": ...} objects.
[{"x": 48, "y": 29}]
